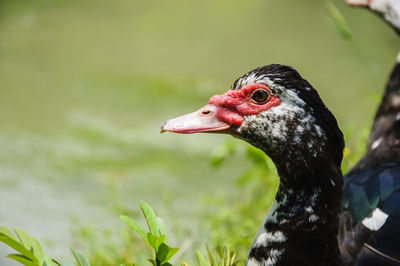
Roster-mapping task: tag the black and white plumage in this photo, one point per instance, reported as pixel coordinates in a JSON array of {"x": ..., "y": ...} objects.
[
  {"x": 372, "y": 188},
  {"x": 276, "y": 110},
  {"x": 370, "y": 227},
  {"x": 371, "y": 201}
]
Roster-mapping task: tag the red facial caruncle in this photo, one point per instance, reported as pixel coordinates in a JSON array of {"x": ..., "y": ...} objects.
[
  {"x": 235, "y": 104},
  {"x": 224, "y": 111}
]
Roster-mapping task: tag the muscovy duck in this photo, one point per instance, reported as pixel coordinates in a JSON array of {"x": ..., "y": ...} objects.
[
  {"x": 276, "y": 110},
  {"x": 370, "y": 224}
]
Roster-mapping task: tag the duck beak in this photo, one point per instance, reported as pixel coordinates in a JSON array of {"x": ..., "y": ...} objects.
[{"x": 203, "y": 120}]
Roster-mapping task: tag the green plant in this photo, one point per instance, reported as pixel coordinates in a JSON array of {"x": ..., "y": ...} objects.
[
  {"x": 156, "y": 236},
  {"x": 156, "y": 239},
  {"x": 31, "y": 252},
  {"x": 217, "y": 257}
]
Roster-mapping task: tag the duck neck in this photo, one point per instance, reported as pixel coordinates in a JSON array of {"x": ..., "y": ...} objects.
[{"x": 302, "y": 224}]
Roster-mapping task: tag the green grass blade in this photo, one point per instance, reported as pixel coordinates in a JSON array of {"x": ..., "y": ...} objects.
[
  {"x": 200, "y": 258},
  {"x": 338, "y": 21},
  {"x": 210, "y": 256}
]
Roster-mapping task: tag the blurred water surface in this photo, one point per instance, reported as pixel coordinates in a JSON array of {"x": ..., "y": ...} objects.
[{"x": 85, "y": 86}]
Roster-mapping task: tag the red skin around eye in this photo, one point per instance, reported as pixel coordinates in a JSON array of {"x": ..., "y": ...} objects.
[{"x": 235, "y": 104}]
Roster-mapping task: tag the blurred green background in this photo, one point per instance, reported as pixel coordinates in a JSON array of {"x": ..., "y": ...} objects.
[{"x": 85, "y": 86}]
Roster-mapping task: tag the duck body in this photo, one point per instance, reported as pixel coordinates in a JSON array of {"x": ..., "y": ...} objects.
[
  {"x": 372, "y": 187},
  {"x": 372, "y": 197}
]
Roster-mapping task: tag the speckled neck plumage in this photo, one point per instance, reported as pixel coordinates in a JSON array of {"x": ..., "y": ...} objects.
[
  {"x": 301, "y": 136},
  {"x": 301, "y": 226}
]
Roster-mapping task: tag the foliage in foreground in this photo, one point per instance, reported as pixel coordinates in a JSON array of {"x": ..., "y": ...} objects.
[
  {"x": 156, "y": 236},
  {"x": 30, "y": 252}
]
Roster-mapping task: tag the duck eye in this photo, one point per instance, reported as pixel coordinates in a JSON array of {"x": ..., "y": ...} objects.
[{"x": 260, "y": 96}]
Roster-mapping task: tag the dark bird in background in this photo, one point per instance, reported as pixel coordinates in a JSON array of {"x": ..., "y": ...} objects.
[
  {"x": 274, "y": 109},
  {"x": 370, "y": 224}
]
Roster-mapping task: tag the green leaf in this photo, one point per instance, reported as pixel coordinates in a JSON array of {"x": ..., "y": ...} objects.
[
  {"x": 132, "y": 224},
  {"x": 159, "y": 241},
  {"x": 24, "y": 238},
  {"x": 37, "y": 250},
  {"x": 11, "y": 242},
  {"x": 80, "y": 258},
  {"x": 151, "y": 218},
  {"x": 338, "y": 21},
  {"x": 27, "y": 245},
  {"x": 161, "y": 226},
  {"x": 154, "y": 241},
  {"x": 22, "y": 259},
  {"x": 7, "y": 232},
  {"x": 151, "y": 239},
  {"x": 200, "y": 258},
  {"x": 165, "y": 253}
]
